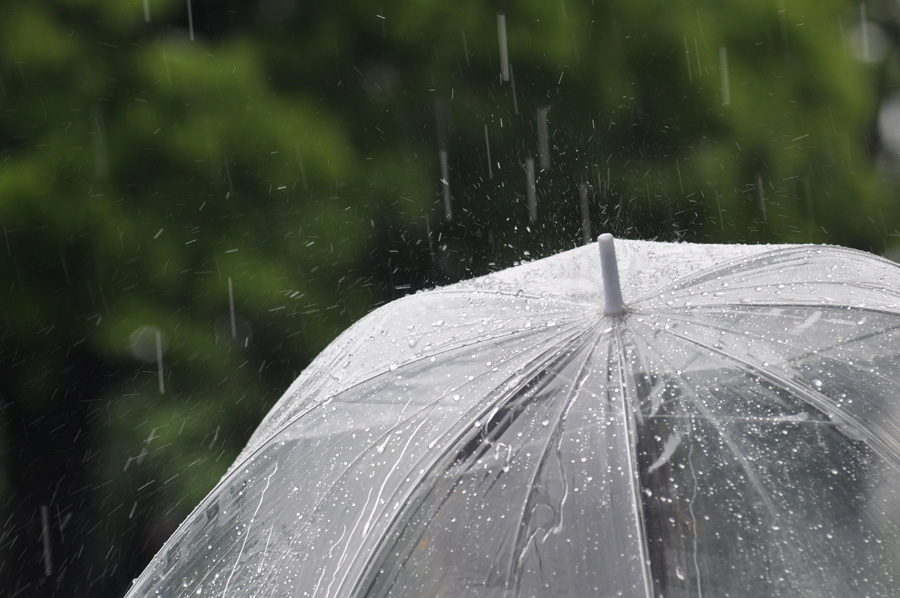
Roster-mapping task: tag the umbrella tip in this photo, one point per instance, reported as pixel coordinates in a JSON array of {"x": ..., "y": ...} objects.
[{"x": 613, "y": 305}]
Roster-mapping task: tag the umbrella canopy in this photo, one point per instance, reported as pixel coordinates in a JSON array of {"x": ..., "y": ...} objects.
[{"x": 731, "y": 428}]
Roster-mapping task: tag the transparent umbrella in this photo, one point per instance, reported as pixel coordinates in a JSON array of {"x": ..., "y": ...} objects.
[{"x": 731, "y": 428}]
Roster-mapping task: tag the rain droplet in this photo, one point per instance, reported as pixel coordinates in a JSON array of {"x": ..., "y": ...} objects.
[
  {"x": 504, "y": 52},
  {"x": 723, "y": 68}
]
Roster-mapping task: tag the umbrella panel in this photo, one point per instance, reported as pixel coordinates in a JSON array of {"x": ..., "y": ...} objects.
[
  {"x": 689, "y": 448},
  {"x": 769, "y": 434},
  {"x": 543, "y": 502}
]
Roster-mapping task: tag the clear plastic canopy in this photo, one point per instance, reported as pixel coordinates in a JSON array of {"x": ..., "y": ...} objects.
[{"x": 735, "y": 432}]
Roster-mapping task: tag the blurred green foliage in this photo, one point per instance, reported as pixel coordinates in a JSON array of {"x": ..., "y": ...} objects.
[{"x": 230, "y": 188}]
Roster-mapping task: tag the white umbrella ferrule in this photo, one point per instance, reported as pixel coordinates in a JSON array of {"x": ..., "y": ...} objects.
[{"x": 613, "y": 305}]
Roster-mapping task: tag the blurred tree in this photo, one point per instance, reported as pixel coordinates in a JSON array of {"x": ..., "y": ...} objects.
[{"x": 197, "y": 196}]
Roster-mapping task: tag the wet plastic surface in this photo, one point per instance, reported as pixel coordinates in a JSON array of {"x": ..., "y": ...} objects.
[{"x": 736, "y": 432}]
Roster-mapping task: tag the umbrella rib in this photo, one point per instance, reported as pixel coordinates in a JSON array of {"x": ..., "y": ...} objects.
[
  {"x": 807, "y": 353},
  {"x": 811, "y": 397},
  {"x": 520, "y": 546},
  {"x": 631, "y": 444},
  {"x": 727, "y": 307},
  {"x": 535, "y": 371},
  {"x": 690, "y": 289},
  {"x": 561, "y": 326},
  {"x": 247, "y": 531},
  {"x": 726, "y": 437},
  {"x": 778, "y": 259},
  {"x": 410, "y": 416},
  {"x": 509, "y": 293}
]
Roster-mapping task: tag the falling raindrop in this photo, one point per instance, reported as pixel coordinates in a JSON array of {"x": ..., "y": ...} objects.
[
  {"x": 530, "y": 188},
  {"x": 504, "y": 54},
  {"x": 512, "y": 84},
  {"x": 466, "y": 48},
  {"x": 723, "y": 67},
  {"x": 810, "y": 207},
  {"x": 762, "y": 196},
  {"x": 697, "y": 54},
  {"x": 231, "y": 307},
  {"x": 864, "y": 30},
  {"x": 445, "y": 182},
  {"x": 100, "y": 153},
  {"x": 228, "y": 179},
  {"x": 159, "y": 363},
  {"x": 543, "y": 139},
  {"x": 687, "y": 55},
  {"x": 45, "y": 538},
  {"x": 719, "y": 207},
  {"x": 146, "y": 11},
  {"x": 680, "y": 181},
  {"x": 487, "y": 144},
  {"x": 430, "y": 240},
  {"x": 190, "y": 12},
  {"x": 166, "y": 65},
  {"x": 302, "y": 167},
  {"x": 583, "y": 192}
]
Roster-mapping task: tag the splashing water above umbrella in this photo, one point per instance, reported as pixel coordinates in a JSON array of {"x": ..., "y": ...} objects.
[{"x": 732, "y": 429}]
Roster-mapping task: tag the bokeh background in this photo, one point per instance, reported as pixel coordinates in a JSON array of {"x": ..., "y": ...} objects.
[{"x": 196, "y": 196}]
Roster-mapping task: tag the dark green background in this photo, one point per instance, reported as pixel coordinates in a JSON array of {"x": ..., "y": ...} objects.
[{"x": 289, "y": 150}]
